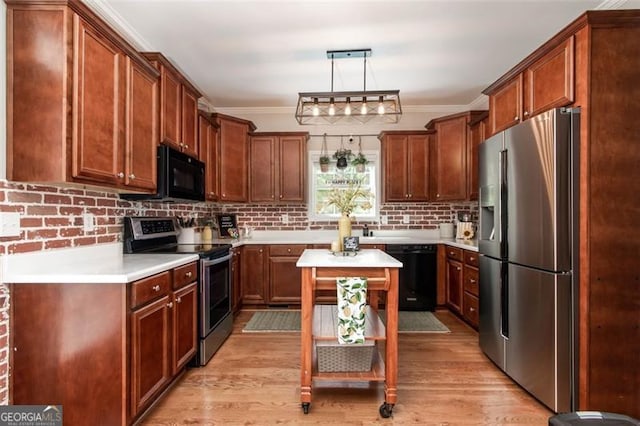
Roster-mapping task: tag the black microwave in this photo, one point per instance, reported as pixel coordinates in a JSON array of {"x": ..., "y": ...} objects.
[{"x": 180, "y": 178}]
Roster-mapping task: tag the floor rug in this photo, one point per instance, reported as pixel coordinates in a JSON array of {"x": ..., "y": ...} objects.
[{"x": 278, "y": 321}]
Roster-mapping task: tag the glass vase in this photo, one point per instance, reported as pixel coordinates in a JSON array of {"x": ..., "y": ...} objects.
[{"x": 344, "y": 229}]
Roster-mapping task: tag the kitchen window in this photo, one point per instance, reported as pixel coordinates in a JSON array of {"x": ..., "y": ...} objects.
[{"x": 321, "y": 183}]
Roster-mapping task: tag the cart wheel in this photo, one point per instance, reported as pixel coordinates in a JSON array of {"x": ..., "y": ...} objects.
[
  {"x": 386, "y": 410},
  {"x": 305, "y": 407}
]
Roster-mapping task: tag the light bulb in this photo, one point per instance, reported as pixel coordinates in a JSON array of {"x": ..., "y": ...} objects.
[
  {"x": 347, "y": 108},
  {"x": 380, "y": 106},
  {"x": 363, "y": 109},
  {"x": 332, "y": 107},
  {"x": 316, "y": 110}
]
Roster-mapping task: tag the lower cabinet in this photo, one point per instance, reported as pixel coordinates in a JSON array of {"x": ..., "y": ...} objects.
[
  {"x": 163, "y": 331},
  {"x": 236, "y": 279},
  {"x": 285, "y": 279},
  {"x": 135, "y": 339},
  {"x": 461, "y": 284},
  {"x": 255, "y": 288}
]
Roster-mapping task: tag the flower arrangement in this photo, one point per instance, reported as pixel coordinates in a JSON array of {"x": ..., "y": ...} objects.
[{"x": 347, "y": 199}]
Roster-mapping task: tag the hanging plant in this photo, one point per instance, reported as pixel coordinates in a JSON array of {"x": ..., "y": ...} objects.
[
  {"x": 324, "y": 156},
  {"x": 360, "y": 161},
  {"x": 343, "y": 155}
]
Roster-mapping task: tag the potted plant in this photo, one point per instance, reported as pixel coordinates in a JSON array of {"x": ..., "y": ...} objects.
[
  {"x": 324, "y": 163},
  {"x": 359, "y": 162},
  {"x": 343, "y": 156}
]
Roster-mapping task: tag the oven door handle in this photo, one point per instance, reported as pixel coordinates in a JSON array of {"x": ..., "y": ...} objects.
[{"x": 210, "y": 262}]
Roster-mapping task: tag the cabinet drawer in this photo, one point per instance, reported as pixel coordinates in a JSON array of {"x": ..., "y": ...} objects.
[
  {"x": 287, "y": 249},
  {"x": 147, "y": 289},
  {"x": 454, "y": 253},
  {"x": 185, "y": 274},
  {"x": 470, "y": 306},
  {"x": 471, "y": 258},
  {"x": 471, "y": 280}
]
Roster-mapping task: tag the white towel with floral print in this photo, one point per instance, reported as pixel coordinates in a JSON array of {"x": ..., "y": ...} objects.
[{"x": 352, "y": 304}]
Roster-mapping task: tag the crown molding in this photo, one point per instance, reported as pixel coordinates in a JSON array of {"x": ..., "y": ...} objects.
[{"x": 113, "y": 18}]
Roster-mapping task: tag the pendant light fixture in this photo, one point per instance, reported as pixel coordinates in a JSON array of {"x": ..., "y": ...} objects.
[{"x": 349, "y": 107}]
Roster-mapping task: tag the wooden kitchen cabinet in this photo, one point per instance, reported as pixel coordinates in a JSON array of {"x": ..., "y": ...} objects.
[
  {"x": 593, "y": 64},
  {"x": 277, "y": 167},
  {"x": 450, "y": 165},
  {"x": 405, "y": 159},
  {"x": 208, "y": 148},
  {"x": 461, "y": 283},
  {"x": 236, "y": 279},
  {"x": 478, "y": 131},
  {"x": 178, "y": 106},
  {"x": 255, "y": 287},
  {"x": 163, "y": 332},
  {"x": 470, "y": 297},
  {"x": 104, "y": 132},
  {"x": 136, "y": 337},
  {"x": 233, "y": 162},
  {"x": 546, "y": 83},
  {"x": 284, "y": 276},
  {"x": 454, "y": 281}
]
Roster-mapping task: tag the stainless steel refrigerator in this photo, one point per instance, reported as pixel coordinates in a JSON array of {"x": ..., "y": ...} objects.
[{"x": 527, "y": 237}]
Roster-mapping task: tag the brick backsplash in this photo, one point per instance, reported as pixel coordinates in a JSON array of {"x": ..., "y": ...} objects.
[
  {"x": 52, "y": 216},
  {"x": 267, "y": 217}
]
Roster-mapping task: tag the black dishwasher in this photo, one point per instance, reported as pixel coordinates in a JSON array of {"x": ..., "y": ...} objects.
[{"x": 418, "y": 275}]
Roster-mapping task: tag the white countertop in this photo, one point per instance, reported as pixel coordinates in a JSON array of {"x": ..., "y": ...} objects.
[
  {"x": 98, "y": 264},
  {"x": 409, "y": 236},
  {"x": 368, "y": 258}
]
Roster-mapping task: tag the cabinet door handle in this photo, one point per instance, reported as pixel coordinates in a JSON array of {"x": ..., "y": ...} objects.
[
  {"x": 406, "y": 195},
  {"x": 516, "y": 118},
  {"x": 120, "y": 175},
  {"x": 132, "y": 176},
  {"x": 471, "y": 259},
  {"x": 186, "y": 146},
  {"x": 472, "y": 281},
  {"x": 170, "y": 305},
  {"x": 156, "y": 287},
  {"x": 437, "y": 195},
  {"x": 289, "y": 250},
  {"x": 451, "y": 253},
  {"x": 458, "y": 268},
  {"x": 281, "y": 196},
  {"x": 471, "y": 309},
  {"x": 188, "y": 274},
  {"x": 179, "y": 300},
  {"x": 260, "y": 251},
  {"x": 526, "y": 113}
]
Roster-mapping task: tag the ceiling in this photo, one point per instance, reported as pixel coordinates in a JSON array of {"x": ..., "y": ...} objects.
[{"x": 261, "y": 53}]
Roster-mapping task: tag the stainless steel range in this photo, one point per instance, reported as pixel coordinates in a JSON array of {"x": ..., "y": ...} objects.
[{"x": 159, "y": 235}]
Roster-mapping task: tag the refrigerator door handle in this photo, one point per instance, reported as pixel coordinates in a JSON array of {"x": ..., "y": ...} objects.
[
  {"x": 504, "y": 300},
  {"x": 503, "y": 169}
]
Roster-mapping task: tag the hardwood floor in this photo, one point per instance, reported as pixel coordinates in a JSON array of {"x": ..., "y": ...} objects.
[{"x": 443, "y": 379}]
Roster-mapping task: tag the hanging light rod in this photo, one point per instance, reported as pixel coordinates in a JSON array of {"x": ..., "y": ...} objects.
[{"x": 347, "y": 107}]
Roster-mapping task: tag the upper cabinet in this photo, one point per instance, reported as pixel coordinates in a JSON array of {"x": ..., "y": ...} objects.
[
  {"x": 405, "y": 159},
  {"x": 178, "y": 107},
  {"x": 545, "y": 82},
  {"x": 277, "y": 167},
  {"x": 104, "y": 132},
  {"x": 477, "y": 132},
  {"x": 452, "y": 162},
  {"x": 208, "y": 149},
  {"x": 233, "y": 136}
]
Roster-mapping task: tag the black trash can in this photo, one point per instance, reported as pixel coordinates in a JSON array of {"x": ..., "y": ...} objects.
[{"x": 592, "y": 418}]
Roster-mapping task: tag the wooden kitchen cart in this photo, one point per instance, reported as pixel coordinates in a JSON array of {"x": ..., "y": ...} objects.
[{"x": 320, "y": 268}]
